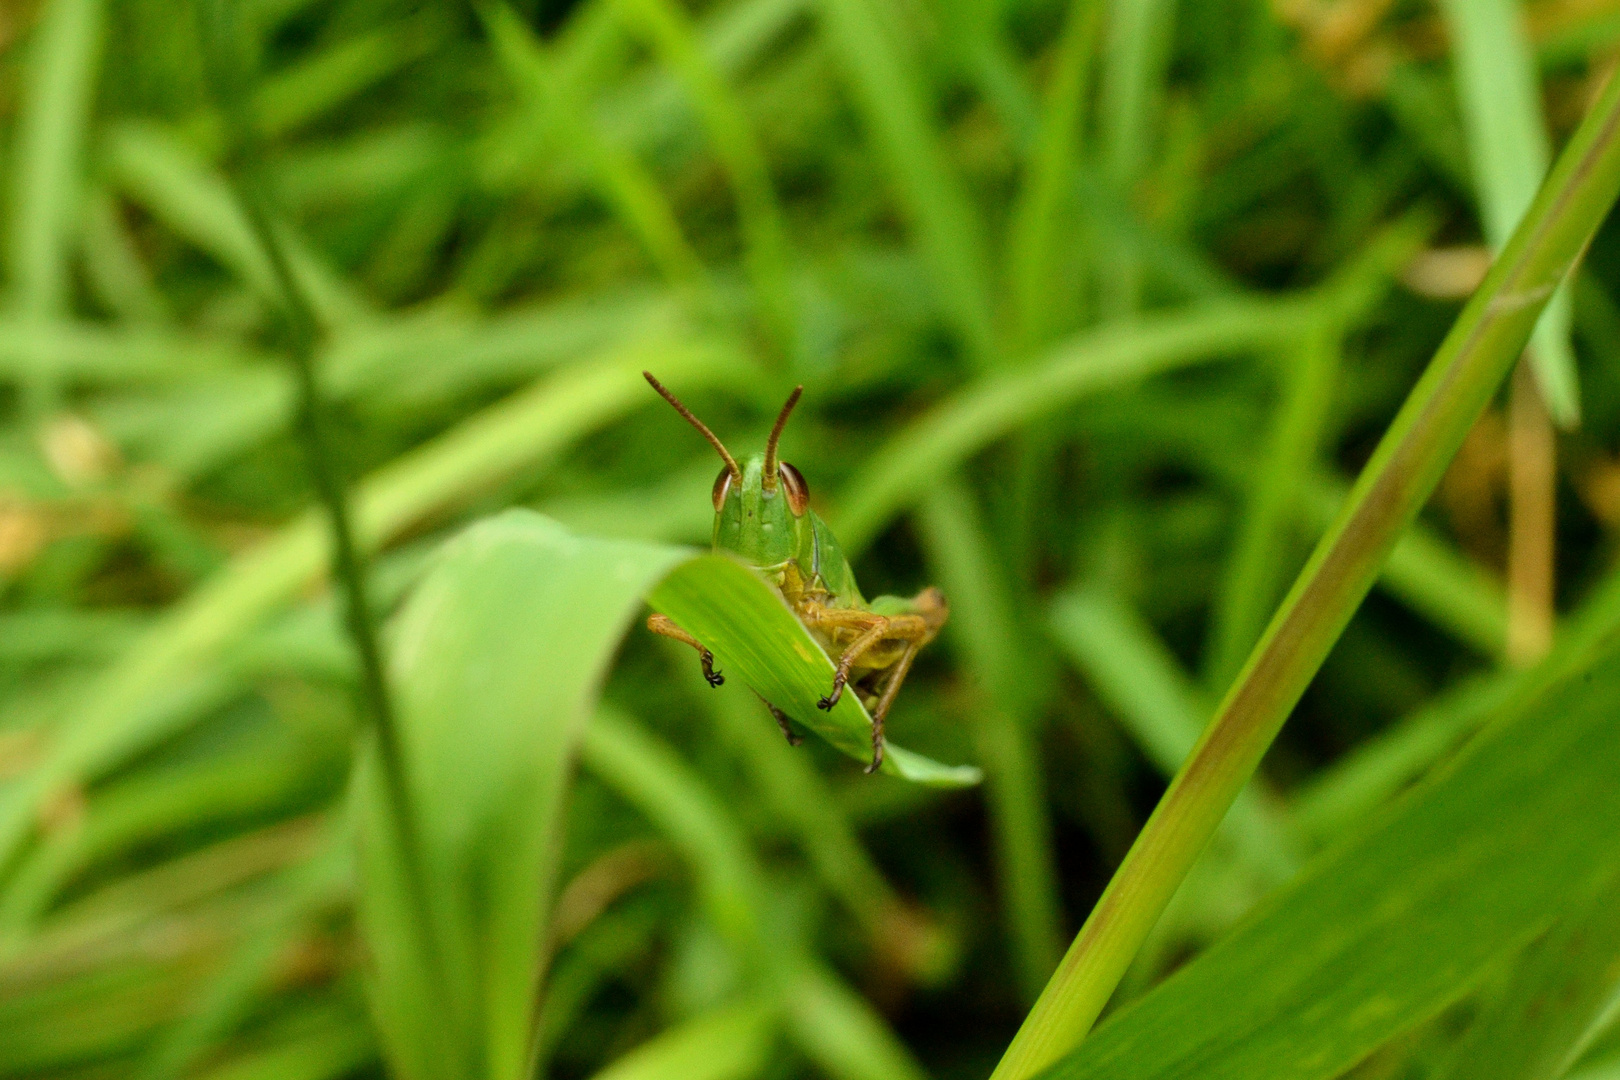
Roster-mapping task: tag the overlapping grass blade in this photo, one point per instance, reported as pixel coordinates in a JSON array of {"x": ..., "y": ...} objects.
[
  {"x": 1471, "y": 363},
  {"x": 1409, "y": 937},
  {"x": 1499, "y": 90}
]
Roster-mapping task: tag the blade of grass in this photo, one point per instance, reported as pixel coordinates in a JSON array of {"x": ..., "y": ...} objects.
[
  {"x": 898, "y": 116},
  {"x": 318, "y": 83},
  {"x": 249, "y": 975},
  {"x": 1138, "y": 48},
  {"x": 64, "y": 62},
  {"x": 669, "y": 31},
  {"x": 1498, "y": 90},
  {"x": 1425, "y": 904},
  {"x": 833, "y": 1026},
  {"x": 117, "y": 273},
  {"x": 1164, "y": 712},
  {"x": 1254, "y": 572},
  {"x": 906, "y": 466},
  {"x": 621, "y": 181},
  {"x": 1532, "y": 520},
  {"x": 1470, "y": 365},
  {"x": 224, "y": 54},
  {"x": 799, "y": 797},
  {"x": 1049, "y": 176},
  {"x": 157, "y": 171},
  {"x": 984, "y": 631},
  {"x": 1556, "y": 990},
  {"x": 1425, "y": 572},
  {"x": 498, "y": 656},
  {"x": 342, "y": 1048},
  {"x": 730, "y": 1043}
]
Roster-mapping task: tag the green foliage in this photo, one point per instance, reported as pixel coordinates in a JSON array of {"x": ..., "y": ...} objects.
[{"x": 1101, "y": 309}]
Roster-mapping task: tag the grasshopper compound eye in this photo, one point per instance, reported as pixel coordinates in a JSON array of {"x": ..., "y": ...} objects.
[
  {"x": 793, "y": 485},
  {"x": 722, "y": 485}
]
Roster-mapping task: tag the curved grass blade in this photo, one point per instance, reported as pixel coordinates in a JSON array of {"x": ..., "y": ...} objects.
[
  {"x": 497, "y": 660},
  {"x": 732, "y": 1043},
  {"x": 832, "y": 1025}
]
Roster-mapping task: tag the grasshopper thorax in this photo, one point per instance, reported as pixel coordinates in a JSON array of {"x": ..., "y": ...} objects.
[{"x": 761, "y": 506}]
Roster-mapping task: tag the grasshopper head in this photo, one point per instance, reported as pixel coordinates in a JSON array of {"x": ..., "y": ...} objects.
[{"x": 757, "y": 505}]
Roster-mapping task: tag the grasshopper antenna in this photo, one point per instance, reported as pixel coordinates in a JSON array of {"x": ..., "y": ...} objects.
[
  {"x": 714, "y": 440},
  {"x": 769, "y": 479}
]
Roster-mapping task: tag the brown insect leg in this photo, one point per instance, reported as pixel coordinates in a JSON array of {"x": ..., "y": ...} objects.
[
  {"x": 876, "y": 633},
  {"x": 666, "y": 627},
  {"x": 782, "y": 722},
  {"x": 891, "y": 687}
]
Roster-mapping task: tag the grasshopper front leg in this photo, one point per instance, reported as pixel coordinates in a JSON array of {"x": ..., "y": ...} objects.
[{"x": 666, "y": 627}]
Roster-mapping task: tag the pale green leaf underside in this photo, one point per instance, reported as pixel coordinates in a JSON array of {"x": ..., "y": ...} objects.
[{"x": 755, "y": 638}]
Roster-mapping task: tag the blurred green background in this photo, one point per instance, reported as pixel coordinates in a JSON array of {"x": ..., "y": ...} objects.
[{"x": 1098, "y": 307}]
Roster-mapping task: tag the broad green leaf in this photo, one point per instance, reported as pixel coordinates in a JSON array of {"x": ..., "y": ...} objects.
[
  {"x": 497, "y": 660},
  {"x": 1402, "y": 920}
]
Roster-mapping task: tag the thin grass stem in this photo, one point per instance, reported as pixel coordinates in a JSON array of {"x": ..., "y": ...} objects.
[{"x": 222, "y": 49}]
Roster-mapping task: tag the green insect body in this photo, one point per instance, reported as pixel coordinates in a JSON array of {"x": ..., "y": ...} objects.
[{"x": 762, "y": 516}]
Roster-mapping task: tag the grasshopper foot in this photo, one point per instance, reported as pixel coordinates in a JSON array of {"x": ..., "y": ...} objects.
[
  {"x": 877, "y": 753},
  {"x": 710, "y": 676},
  {"x": 826, "y": 704}
]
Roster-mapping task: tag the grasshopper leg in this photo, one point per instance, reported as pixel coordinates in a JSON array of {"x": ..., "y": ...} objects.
[
  {"x": 782, "y": 722},
  {"x": 891, "y": 687},
  {"x": 875, "y": 629},
  {"x": 665, "y": 626},
  {"x": 878, "y": 630}
]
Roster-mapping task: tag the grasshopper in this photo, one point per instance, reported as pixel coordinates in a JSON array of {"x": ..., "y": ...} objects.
[{"x": 762, "y": 515}]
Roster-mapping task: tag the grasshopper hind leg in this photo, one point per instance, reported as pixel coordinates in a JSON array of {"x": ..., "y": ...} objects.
[
  {"x": 664, "y": 626},
  {"x": 880, "y": 711},
  {"x": 793, "y": 738}
]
